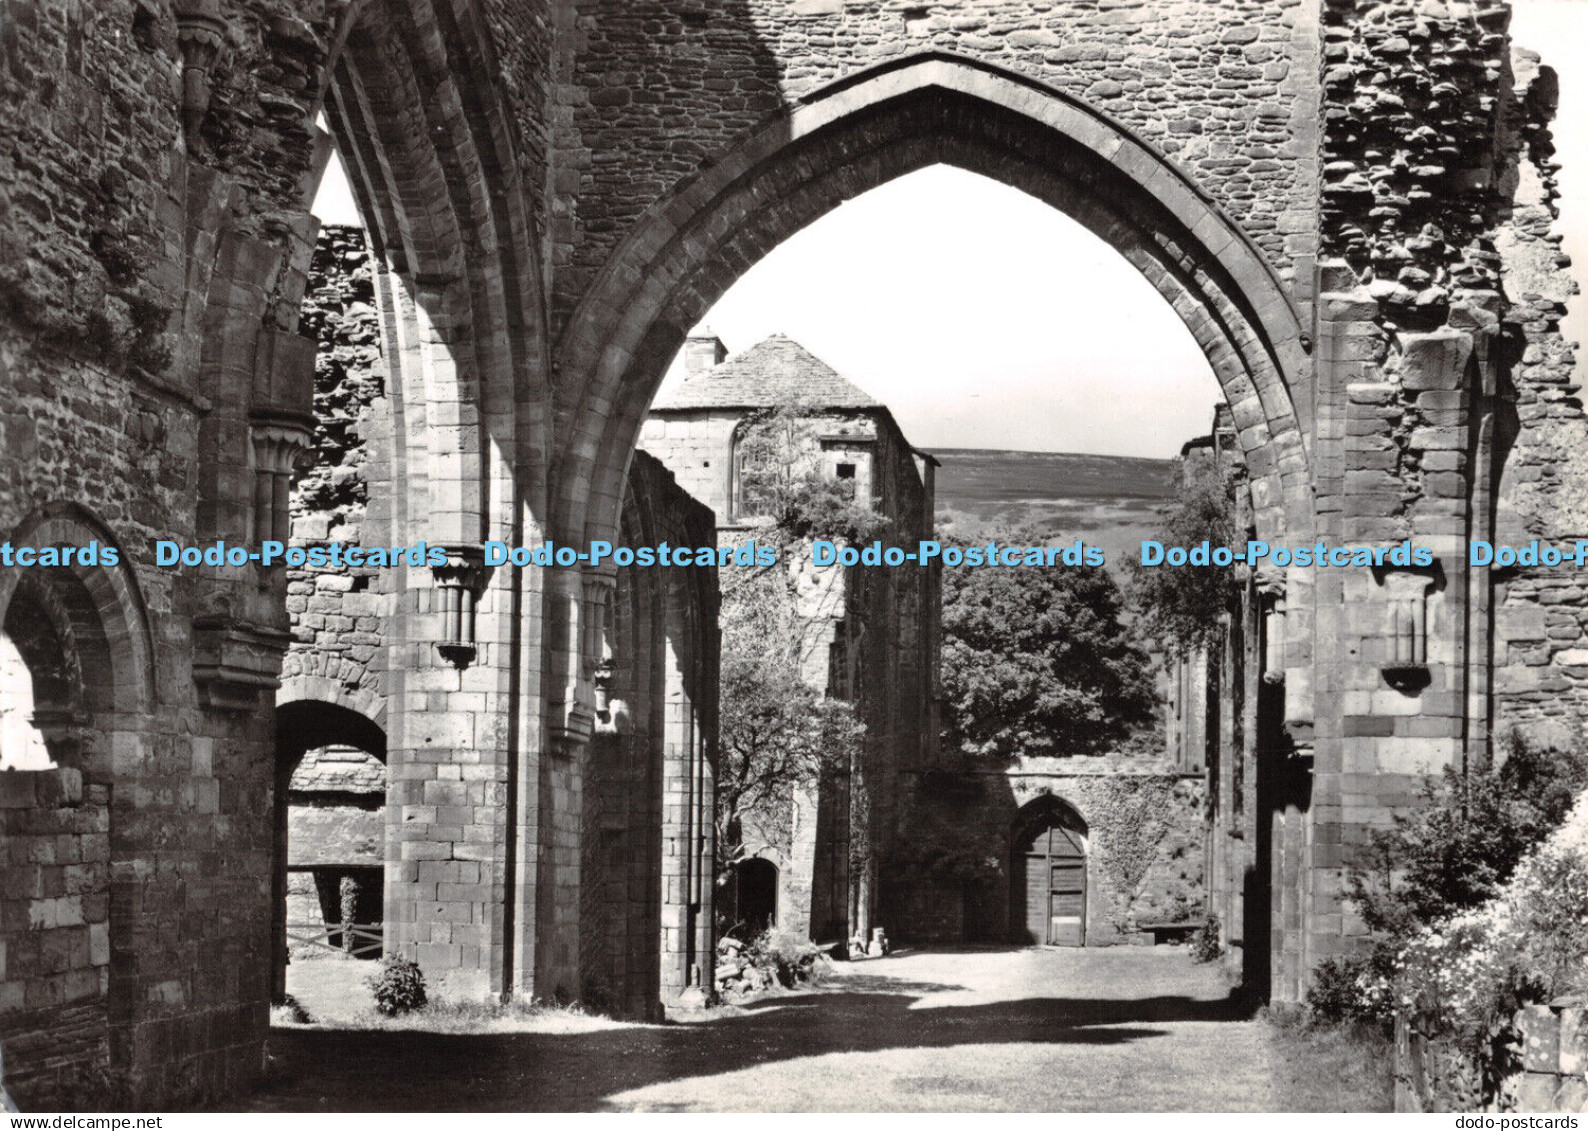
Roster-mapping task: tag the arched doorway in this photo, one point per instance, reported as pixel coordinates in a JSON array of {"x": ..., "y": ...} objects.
[
  {"x": 1047, "y": 897},
  {"x": 76, "y": 693},
  {"x": 328, "y": 879},
  {"x": 756, "y": 879}
]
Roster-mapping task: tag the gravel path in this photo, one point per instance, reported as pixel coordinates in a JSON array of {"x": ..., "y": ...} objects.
[{"x": 972, "y": 1030}]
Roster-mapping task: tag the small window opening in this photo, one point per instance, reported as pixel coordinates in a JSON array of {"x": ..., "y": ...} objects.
[{"x": 846, "y": 471}]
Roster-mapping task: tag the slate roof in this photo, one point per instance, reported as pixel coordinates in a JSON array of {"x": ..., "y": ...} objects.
[{"x": 776, "y": 371}]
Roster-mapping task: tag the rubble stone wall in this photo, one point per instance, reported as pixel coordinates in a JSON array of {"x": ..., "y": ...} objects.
[
  {"x": 1146, "y": 839},
  {"x": 1227, "y": 90},
  {"x": 337, "y": 649}
]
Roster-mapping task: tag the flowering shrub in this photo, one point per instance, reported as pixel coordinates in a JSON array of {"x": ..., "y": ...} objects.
[
  {"x": 1464, "y": 979},
  {"x": 1355, "y": 988},
  {"x": 1437, "y": 866}
]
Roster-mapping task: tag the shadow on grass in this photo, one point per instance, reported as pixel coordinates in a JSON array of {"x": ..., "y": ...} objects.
[{"x": 376, "y": 1070}]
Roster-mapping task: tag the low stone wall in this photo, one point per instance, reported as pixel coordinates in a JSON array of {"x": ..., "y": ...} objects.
[
  {"x": 1433, "y": 1076},
  {"x": 1145, "y": 848},
  {"x": 1554, "y": 1059},
  {"x": 54, "y": 936}
]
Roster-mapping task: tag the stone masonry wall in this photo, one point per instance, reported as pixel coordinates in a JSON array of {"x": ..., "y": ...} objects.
[
  {"x": 1541, "y": 646},
  {"x": 54, "y": 937},
  {"x": 126, "y": 393},
  {"x": 886, "y": 620},
  {"x": 662, "y": 87}
]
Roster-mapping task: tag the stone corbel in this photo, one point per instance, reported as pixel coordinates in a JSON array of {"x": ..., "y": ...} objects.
[
  {"x": 233, "y": 662},
  {"x": 279, "y": 450},
  {"x": 201, "y": 36},
  {"x": 460, "y": 582},
  {"x": 1406, "y": 592}
]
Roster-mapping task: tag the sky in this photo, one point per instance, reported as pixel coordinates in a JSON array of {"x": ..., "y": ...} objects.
[{"x": 986, "y": 319}]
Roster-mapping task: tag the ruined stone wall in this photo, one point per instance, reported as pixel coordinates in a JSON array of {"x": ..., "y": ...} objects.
[
  {"x": 1435, "y": 348},
  {"x": 697, "y": 448},
  {"x": 54, "y": 937},
  {"x": 662, "y": 87},
  {"x": 151, "y": 269},
  {"x": 866, "y": 635},
  {"x": 1541, "y": 635},
  {"x": 632, "y": 884},
  {"x": 337, "y": 649}
]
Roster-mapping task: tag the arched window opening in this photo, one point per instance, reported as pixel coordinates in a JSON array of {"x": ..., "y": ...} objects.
[{"x": 22, "y": 744}]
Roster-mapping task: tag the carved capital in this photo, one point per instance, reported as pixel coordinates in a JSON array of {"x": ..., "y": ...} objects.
[
  {"x": 278, "y": 448},
  {"x": 461, "y": 580},
  {"x": 201, "y": 37},
  {"x": 278, "y": 451},
  {"x": 1406, "y": 592}
]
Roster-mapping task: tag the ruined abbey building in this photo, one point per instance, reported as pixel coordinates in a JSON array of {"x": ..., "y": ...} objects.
[
  {"x": 1350, "y": 203},
  {"x": 866, "y": 635}
]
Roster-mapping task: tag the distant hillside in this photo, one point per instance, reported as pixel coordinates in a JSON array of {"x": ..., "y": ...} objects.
[{"x": 1109, "y": 501}]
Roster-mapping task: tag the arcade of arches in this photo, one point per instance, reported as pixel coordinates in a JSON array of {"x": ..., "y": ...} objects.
[{"x": 554, "y": 192}]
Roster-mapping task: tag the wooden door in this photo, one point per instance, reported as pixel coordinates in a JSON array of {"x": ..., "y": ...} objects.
[{"x": 1050, "y": 880}]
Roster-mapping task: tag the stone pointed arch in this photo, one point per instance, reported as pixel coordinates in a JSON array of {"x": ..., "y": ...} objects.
[
  {"x": 102, "y": 607},
  {"x": 414, "y": 104},
  {"x": 871, "y": 127}
]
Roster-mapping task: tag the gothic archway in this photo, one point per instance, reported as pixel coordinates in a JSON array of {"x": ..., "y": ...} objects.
[
  {"x": 348, "y": 876},
  {"x": 872, "y": 127}
]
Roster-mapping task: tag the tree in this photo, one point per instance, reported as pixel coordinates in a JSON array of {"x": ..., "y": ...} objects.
[
  {"x": 1182, "y": 606},
  {"x": 1036, "y": 661},
  {"x": 778, "y": 733}
]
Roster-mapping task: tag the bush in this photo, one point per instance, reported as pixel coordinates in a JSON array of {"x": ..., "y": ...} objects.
[
  {"x": 1454, "y": 851},
  {"x": 1461, "y": 981},
  {"x": 1205, "y": 944},
  {"x": 1349, "y": 990},
  {"x": 1444, "y": 859},
  {"x": 793, "y": 960},
  {"x": 398, "y": 986}
]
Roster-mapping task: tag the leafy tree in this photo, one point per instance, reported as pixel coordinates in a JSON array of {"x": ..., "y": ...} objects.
[
  {"x": 777, "y": 735},
  {"x": 1036, "y": 661},
  {"x": 1181, "y": 606}
]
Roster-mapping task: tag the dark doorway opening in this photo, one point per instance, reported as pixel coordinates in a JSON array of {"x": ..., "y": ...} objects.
[{"x": 757, "y": 881}]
